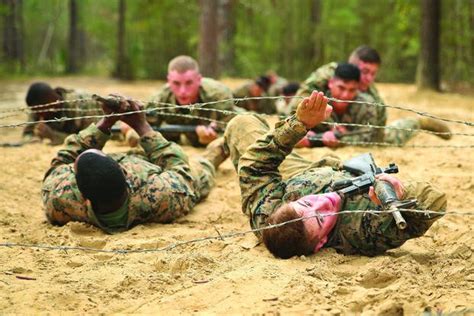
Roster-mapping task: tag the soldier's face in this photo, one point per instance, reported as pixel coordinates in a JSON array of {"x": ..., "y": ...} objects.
[
  {"x": 185, "y": 86},
  {"x": 318, "y": 228},
  {"x": 368, "y": 72},
  {"x": 343, "y": 90}
]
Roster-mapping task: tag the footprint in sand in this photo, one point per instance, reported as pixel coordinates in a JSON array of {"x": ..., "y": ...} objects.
[{"x": 377, "y": 279}]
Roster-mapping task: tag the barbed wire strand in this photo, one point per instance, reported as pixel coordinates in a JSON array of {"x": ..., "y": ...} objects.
[
  {"x": 98, "y": 110},
  {"x": 237, "y": 100},
  {"x": 355, "y": 143},
  {"x": 221, "y": 236},
  {"x": 228, "y": 112}
]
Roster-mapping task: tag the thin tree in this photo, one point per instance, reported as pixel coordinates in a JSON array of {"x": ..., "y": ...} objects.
[
  {"x": 316, "y": 53},
  {"x": 208, "y": 56},
  {"x": 428, "y": 73},
  {"x": 226, "y": 21},
  {"x": 122, "y": 69},
  {"x": 73, "y": 43},
  {"x": 12, "y": 44}
]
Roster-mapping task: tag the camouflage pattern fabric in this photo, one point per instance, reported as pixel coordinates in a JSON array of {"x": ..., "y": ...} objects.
[
  {"x": 258, "y": 106},
  {"x": 210, "y": 91},
  {"x": 377, "y": 115},
  {"x": 318, "y": 80},
  {"x": 162, "y": 184},
  {"x": 277, "y": 87},
  {"x": 259, "y": 157},
  {"x": 356, "y": 113},
  {"x": 73, "y": 109}
]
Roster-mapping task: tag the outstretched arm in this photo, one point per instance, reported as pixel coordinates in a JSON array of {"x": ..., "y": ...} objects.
[{"x": 258, "y": 167}]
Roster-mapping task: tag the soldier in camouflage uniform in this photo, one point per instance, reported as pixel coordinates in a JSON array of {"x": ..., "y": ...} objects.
[
  {"x": 72, "y": 104},
  {"x": 368, "y": 61},
  {"x": 276, "y": 84},
  {"x": 344, "y": 86},
  {"x": 255, "y": 88},
  {"x": 185, "y": 87},
  {"x": 271, "y": 196},
  {"x": 119, "y": 191}
]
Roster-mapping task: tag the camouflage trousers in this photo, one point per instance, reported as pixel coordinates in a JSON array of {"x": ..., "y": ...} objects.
[
  {"x": 355, "y": 233},
  {"x": 398, "y": 137},
  {"x": 243, "y": 130}
]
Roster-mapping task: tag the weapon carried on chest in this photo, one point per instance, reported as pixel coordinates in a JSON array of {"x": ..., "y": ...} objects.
[{"x": 364, "y": 166}]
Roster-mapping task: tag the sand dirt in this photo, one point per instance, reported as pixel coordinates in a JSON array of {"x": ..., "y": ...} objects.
[{"x": 434, "y": 272}]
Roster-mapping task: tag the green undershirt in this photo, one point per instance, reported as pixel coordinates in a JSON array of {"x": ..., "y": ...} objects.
[{"x": 116, "y": 219}]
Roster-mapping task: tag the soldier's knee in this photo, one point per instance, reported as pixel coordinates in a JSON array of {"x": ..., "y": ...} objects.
[{"x": 242, "y": 123}]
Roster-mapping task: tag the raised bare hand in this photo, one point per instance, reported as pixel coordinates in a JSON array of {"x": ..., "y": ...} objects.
[{"x": 313, "y": 109}]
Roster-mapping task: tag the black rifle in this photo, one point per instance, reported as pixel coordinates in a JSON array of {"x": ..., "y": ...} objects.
[
  {"x": 114, "y": 103},
  {"x": 175, "y": 128},
  {"x": 364, "y": 166},
  {"x": 317, "y": 140}
]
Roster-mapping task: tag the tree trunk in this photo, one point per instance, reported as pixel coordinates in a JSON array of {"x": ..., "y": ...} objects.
[
  {"x": 208, "y": 58},
  {"x": 226, "y": 19},
  {"x": 123, "y": 70},
  {"x": 21, "y": 34},
  {"x": 428, "y": 63},
  {"x": 316, "y": 48},
  {"x": 73, "y": 44},
  {"x": 12, "y": 44}
]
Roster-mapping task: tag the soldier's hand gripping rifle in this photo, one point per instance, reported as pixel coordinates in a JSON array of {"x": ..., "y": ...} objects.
[
  {"x": 114, "y": 104},
  {"x": 364, "y": 166}
]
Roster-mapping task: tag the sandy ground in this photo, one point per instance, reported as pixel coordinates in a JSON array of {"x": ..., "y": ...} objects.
[{"x": 237, "y": 275}]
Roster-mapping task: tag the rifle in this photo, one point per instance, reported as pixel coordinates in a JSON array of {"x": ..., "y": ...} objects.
[
  {"x": 175, "y": 128},
  {"x": 364, "y": 166},
  {"x": 317, "y": 140},
  {"x": 114, "y": 103}
]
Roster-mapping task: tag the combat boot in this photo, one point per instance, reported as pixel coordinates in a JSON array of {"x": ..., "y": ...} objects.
[{"x": 432, "y": 125}]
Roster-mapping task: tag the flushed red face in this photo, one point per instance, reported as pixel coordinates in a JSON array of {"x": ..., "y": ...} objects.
[
  {"x": 185, "y": 86},
  {"x": 368, "y": 73},
  {"x": 318, "y": 228}
]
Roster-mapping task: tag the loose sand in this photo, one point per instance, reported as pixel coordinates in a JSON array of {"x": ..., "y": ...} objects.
[{"x": 236, "y": 275}]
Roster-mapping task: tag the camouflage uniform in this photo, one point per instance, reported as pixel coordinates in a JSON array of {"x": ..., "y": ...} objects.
[
  {"x": 319, "y": 79},
  {"x": 259, "y": 106},
  {"x": 277, "y": 87},
  {"x": 161, "y": 186},
  {"x": 209, "y": 91},
  {"x": 73, "y": 109},
  {"x": 259, "y": 157}
]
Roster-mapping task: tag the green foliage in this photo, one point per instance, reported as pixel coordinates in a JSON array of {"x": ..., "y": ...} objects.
[{"x": 279, "y": 35}]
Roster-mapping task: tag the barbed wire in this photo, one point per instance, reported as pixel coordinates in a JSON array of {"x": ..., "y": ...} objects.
[
  {"x": 228, "y": 112},
  {"x": 355, "y": 143},
  {"x": 221, "y": 236},
  {"x": 237, "y": 100}
]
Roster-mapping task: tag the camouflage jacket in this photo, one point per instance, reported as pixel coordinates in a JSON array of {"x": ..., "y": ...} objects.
[
  {"x": 356, "y": 113},
  {"x": 318, "y": 80},
  {"x": 262, "y": 187},
  {"x": 210, "y": 91},
  {"x": 276, "y": 88},
  {"x": 259, "y": 106},
  {"x": 72, "y": 108},
  {"x": 161, "y": 186}
]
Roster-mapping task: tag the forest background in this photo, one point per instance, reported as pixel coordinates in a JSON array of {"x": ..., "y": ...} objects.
[{"x": 237, "y": 38}]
